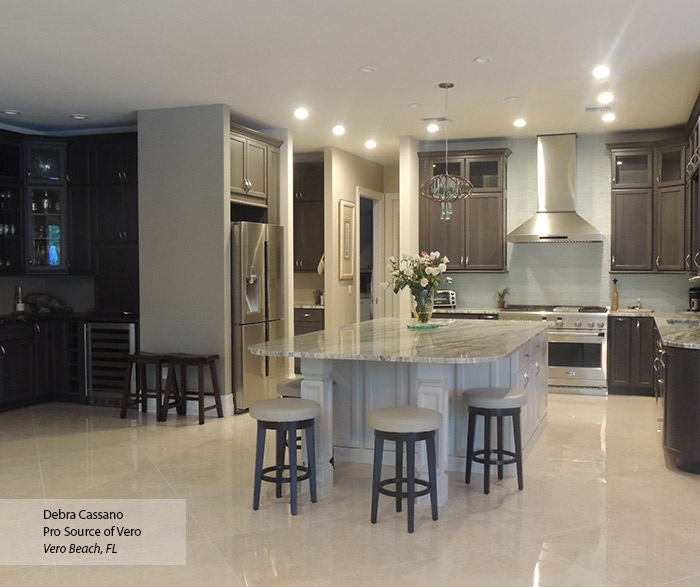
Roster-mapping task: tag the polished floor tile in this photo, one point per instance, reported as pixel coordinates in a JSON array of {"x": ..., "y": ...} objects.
[{"x": 600, "y": 508}]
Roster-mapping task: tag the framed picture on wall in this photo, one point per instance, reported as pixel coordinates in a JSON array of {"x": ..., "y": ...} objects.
[{"x": 346, "y": 234}]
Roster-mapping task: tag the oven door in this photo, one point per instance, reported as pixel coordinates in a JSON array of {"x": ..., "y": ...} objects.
[{"x": 578, "y": 358}]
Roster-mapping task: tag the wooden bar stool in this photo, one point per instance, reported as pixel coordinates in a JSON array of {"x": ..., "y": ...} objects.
[
  {"x": 143, "y": 392},
  {"x": 404, "y": 424},
  {"x": 184, "y": 360},
  {"x": 285, "y": 416},
  {"x": 500, "y": 402}
]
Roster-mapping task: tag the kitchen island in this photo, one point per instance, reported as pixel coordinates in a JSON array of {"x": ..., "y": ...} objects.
[{"x": 355, "y": 369}]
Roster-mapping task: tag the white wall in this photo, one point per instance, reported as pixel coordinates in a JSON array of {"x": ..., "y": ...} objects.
[
  {"x": 563, "y": 273},
  {"x": 184, "y": 233}
]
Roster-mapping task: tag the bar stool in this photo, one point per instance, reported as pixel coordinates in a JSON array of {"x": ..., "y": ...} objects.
[
  {"x": 142, "y": 391},
  {"x": 404, "y": 424},
  {"x": 285, "y": 416},
  {"x": 500, "y": 402},
  {"x": 184, "y": 360}
]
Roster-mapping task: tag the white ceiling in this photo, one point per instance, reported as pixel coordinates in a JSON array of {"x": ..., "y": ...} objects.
[{"x": 109, "y": 59}]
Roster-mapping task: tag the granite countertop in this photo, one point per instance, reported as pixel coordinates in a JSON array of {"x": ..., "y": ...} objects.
[
  {"x": 309, "y": 307},
  {"x": 390, "y": 339},
  {"x": 686, "y": 336},
  {"x": 465, "y": 311}
]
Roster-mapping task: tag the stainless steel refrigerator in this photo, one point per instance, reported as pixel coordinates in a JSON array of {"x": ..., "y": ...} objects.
[{"x": 257, "y": 294}]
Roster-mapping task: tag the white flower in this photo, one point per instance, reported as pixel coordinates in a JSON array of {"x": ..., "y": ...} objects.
[
  {"x": 409, "y": 272},
  {"x": 404, "y": 257},
  {"x": 442, "y": 267},
  {"x": 434, "y": 255},
  {"x": 424, "y": 282},
  {"x": 392, "y": 259},
  {"x": 429, "y": 270},
  {"x": 445, "y": 259}
]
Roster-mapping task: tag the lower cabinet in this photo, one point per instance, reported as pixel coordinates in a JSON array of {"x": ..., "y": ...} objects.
[
  {"x": 631, "y": 351},
  {"x": 17, "y": 363},
  {"x": 307, "y": 320}
]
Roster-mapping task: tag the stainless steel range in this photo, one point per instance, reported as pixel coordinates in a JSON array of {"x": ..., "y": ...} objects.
[{"x": 578, "y": 345}]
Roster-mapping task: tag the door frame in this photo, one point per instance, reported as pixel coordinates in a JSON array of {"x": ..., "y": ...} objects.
[{"x": 378, "y": 294}]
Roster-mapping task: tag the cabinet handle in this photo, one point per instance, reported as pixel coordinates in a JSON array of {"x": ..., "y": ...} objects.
[
  {"x": 307, "y": 315},
  {"x": 67, "y": 178},
  {"x": 126, "y": 236},
  {"x": 526, "y": 377},
  {"x": 124, "y": 175},
  {"x": 461, "y": 260},
  {"x": 38, "y": 328},
  {"x": 466, "y": 260},
  {"x": 657, "y": 260},
  {"x": 613, "y": 261},
  {"x": 658, "y": 179},
  {"x": 695, "y": 260},
  {"x": 537, "y": 368},
  {"x": 687, "y": 261},
  {"x": 2, "y": 350}
]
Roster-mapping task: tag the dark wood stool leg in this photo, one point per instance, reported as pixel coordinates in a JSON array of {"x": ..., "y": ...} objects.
[
  {"x": 141, "y": 378},
  {"x": 399, "y": 473},
  {"x": 183, "y": 386},
  {"x": 377, "y": 475},
  {"x": 487, "y": 452},
  {"x": 161, "y": 409},
  {"x": 432, "y": 475},
  {"x": 499, "y": 445},
  {"x": 471, "y": 431},
  {"x": 292, "y": 436},
  {"x": 311, "y": 458},
  {"x": 215, "y": 387},
  {"x": 200, "y": 391},
  {"x": 279, "y": 460},
  {"x": 411, "y": 482},
  {"x": 518, "y": 449},
  {"x": 259, "y": 456},
  {"x": 126, "y": 395}
]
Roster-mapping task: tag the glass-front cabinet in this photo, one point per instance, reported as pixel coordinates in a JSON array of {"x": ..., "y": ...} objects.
[
  {"x": 46, "y": 229},
  {"x": 10, "y": 229},
  {"x": 45, "y": 163},
  {"x": 632, "y": 168}
]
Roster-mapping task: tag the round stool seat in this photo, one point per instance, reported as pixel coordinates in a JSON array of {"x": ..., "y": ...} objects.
[
  {"x": 494, "y": 398},
  {"x": 402, "y": 419},
  {"x": 285, "y": 409}
]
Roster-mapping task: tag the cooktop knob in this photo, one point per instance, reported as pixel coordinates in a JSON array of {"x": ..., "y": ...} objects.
[
  {"x": 559, "y": 323},
  {"x": 591, "y": 324},
  {"x": 601, "y": 324},
  {"x": 578, "y": 324}
]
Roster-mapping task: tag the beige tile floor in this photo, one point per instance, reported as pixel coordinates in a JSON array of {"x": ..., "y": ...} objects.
[{"x": 600, "y": 507}]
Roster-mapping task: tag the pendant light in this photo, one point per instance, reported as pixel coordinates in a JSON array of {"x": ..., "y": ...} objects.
[{"x": 446, "y": 188}]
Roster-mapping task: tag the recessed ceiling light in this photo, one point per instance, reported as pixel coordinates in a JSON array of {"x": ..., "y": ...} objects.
[
  {"x": 608, "y": 117},
  {"x": 519, "y": 122},
  {"x": 338, "y": 129},
  {"x": 301, "y": 113},
  {"x": 606, "y": 98},
  {"x": 433, "y": 127},
  {"x": 482, "y": 59},
  {"x": 415, "y": 105},
  {"x": 79, "y": 116},
  {"x": 370, "y": 144},
  {"x": 11, "y": 112},
  {"x": 512, "y": 98},
  {"x": 601, "y": 72},
  {"x": 368, "y": 69}
]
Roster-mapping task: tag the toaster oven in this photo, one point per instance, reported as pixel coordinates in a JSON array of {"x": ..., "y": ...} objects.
[{"x": 445, "y": 298}]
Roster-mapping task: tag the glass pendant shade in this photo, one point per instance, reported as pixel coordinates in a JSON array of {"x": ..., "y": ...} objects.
[{"x": 446, "y": 188}]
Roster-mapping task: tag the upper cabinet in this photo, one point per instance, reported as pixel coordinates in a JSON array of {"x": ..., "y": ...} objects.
[
  {"x": 474, "y": 238},
  {"x": 10, "y": 157},
  {"x": 253, "y": 157},
  {"x": 46, "y": 229},
  {"x": 45, "y": 162},
  {"x": 114, "y": 161},
  {"x": 650, "y": 232},
  {"x": 308, "y": 215}
]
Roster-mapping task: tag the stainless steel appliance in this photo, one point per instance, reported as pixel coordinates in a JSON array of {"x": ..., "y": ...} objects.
[
  {"x": 445, "y": 298},
  {"x": 694, "y": 299},
  {"x": 578, "y": 345},
  {"x": 257, "y": 295}
]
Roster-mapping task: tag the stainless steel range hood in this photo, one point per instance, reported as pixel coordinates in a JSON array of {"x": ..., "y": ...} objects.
[{"x": 556, "y": 219}]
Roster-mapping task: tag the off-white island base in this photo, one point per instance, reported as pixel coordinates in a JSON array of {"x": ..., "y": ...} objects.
[{"x": 355, "y": 369}]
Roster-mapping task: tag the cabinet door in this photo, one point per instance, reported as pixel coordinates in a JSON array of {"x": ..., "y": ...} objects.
[
  {"x": 669, "y": 215},
  {"x": 79, "y": 258},
  {"x": 42, "y": 349},
  {"x": 45, "y": 163},
  {"x": 308, "y": 182},
  {"x": 631, "y": 168},
  {"x": 11, "y": 229},
  {"x": 237, "y": 160},
  {"x": 693, "y": 220},
  {"x": 619, "y": 351},
  {"x": 107, "y": 163},
  {"x": 631, "y": 238},
  {"x": 256, "y": 169},
  {"x": 130, "y": 213},
  {"x": 308, "y": 235},
  {"x": 78, "y": 164},
  {"x": 485, "y": 173},
  {"x": 17, "y": 361},
  {"x": 46, "y": 230},
  {"x": 642, "y": 351},
  {"x": 10, "y": 157},
  {"x": 670, "y": 165},
  {"x": 109, "y": 207},
  {"x": 485, "y": 243}
]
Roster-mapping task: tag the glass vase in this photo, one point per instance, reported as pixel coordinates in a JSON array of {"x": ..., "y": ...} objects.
[{"x": 423, "y": 305}]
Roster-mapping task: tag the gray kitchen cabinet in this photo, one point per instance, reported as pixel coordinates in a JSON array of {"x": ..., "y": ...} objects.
[
  {"x": 692, "y": 194},
  {"x": 474, "y": 238},
  {"x": 631, "y": 351},
  {"x": 251, "y": 155},
  {"x": 650, "y": 231}
]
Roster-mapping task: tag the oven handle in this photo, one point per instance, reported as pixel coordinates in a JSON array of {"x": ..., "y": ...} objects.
[{"x": 573, "y": 335}]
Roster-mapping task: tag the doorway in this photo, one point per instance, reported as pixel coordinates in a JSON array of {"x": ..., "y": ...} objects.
[{"x": 371, "y": 254}]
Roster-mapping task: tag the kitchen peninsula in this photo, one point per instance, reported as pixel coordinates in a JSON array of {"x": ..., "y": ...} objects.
[{"x": 357, "y": 368}]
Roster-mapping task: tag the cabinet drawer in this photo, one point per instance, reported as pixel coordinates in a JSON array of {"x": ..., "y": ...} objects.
[{"x": 308, "y": 315}]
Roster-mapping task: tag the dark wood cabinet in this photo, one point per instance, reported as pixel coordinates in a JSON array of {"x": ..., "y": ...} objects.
[
  {"x": 79, "y": 259},
  {"x": 45, "y": 162},
  {"x": 10, "y": 158},
  {"x": 308, "y": 215},
  {"x": 17, "y": 363},
  {"x": 650, "y": 231},
  {"x": 78, "y": 163},
  {"x": 46, "y": 229},
  {"x": 474, "y": 238},
  {"x": 251, "y": 155},
  {"x": 114, "y": 161},
  {"x": 631, "y": 350}
]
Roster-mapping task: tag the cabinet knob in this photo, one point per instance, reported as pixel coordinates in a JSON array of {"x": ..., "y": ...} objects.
[{"x": 658, "y": 257}]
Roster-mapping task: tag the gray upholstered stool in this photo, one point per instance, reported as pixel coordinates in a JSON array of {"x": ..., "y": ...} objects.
[
  {"x": 404, "y": 424},
  {"x": 285, "y": 416},
  {"x": 499, "y": 402}
]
